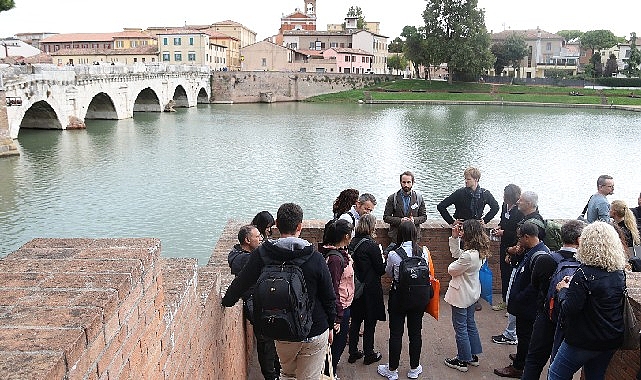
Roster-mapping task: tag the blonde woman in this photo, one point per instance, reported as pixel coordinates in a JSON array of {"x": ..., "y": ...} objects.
[
  {"x": 624, "y": 218},
  {"x": 464, "y": 290},
  {"x": 591, "y": 305}
]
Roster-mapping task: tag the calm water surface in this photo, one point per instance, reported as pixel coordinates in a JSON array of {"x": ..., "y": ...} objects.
[{"x": 181, "y": 176}]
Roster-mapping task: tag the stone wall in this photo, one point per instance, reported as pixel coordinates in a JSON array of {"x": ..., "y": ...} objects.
[
  {"x": 246, "y": 86},
  {"x": 7, "y": 146},
  {"x": 113, "y": 309}
]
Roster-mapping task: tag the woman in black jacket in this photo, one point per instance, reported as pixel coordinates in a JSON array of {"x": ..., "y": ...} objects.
[
  {"x": 591, "y": 304},
  {"x": 369, "y": 307}
]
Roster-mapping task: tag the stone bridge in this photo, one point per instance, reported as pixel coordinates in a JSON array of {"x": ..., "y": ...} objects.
[{"x": 50, "y": 97}]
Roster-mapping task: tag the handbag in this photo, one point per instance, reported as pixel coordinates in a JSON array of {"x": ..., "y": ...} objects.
[
  {"x": 485, "y": 275},
  {"x": 433, "y": 305},
  {"x": 631, "y": 326},
  {"x": 328, "y": 364}
]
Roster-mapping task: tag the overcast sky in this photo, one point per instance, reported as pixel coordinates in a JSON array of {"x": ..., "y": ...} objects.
[{"x": 263, "y": 17}]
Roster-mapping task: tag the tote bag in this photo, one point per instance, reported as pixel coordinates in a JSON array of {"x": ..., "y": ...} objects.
[
  {"x": 485, "y": 275},
  {"x": 432, "y": 307}
]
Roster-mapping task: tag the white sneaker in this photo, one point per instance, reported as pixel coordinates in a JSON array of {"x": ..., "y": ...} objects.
[
  {"x": 383, "y": 370},
  {"x": 414, "y": 372}
]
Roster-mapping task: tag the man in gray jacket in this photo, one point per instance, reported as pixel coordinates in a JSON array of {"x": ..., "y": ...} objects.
[{"x": 405, "y": 204}]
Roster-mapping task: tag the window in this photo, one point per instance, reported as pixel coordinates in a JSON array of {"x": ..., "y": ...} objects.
[
  {"x": 177, "y": 41},
  {"x": 312, "y": 45},
  {"x": 134, "y": 43},
  {"x": 164, "y": 41},
  {"x": 84, "y": 46},
  {"x": 191, "y": 56},
  {"x": 178, "y": 56},
  {"x": 347, "y": 58},
  {"x": 135, "y": 59},
  {"x": 333, "y": 44},
  {"x": 191, "y": 41},
  {"x": 548, "y": 46},
  {"x": 264, "y": 62},
  {"x": 143, "y": 43},
  {"x": 165, "y": 57},
  {"x": 142, "y": 59},
  {"x": 119, "y": 44}
]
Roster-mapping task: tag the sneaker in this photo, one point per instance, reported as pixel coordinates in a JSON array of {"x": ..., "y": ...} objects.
[
  {"x": 383, "y": 370},
  {"x": 474, "y": 362},
  {"x": 478, "y": 306},
  {"x": 456, "y": 364},
  {"x": 414, "y": 372},
  {"x": 500, "y": 306},
  {"x": 502, "y": 339}
]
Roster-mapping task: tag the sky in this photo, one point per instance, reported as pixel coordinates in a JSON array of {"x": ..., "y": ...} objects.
[{"x": 263, "y": 17}]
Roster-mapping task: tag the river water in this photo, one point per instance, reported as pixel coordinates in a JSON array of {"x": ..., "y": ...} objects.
[{"x": 181, "y": 176}]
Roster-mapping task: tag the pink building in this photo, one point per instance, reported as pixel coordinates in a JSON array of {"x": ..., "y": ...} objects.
[{"x": 350, "y": 61}]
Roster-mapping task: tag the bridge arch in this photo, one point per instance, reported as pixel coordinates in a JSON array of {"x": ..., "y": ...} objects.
[
  {"x": 147, "y": 101},
  {"x": 101, "y": 107},
  {"x": 40, "y": 115},
  {"x": 203, "y": 96},
  {"x": 180, "y": 97}
]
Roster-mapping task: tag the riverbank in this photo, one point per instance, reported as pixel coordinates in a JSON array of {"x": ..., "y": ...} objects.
[{"x": 440, "y": 92}]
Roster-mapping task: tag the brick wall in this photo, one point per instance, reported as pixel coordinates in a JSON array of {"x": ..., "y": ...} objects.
[{"x": 113, "y": 309}]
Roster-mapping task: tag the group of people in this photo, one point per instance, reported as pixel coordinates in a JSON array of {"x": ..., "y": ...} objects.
[{"x": 347, "y": 294}]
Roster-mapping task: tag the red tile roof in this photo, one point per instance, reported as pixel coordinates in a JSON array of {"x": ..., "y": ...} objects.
[
  {"x": 140, "y": 50},
  {"x": 79, "y": 37}
]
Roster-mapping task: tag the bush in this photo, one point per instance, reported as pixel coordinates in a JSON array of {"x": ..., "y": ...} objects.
[{"x": 618, "y": 82}]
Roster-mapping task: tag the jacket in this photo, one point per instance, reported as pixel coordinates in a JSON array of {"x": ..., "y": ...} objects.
[
  {"x": 465, "y": 287},
  {"x": 592, "y": 309},
  {"x": 509, "y": 221},
  {"x": 342, "y": 272},
  {"x": 315, "y": 271},
  {"x": 523, "y": 295},
  {"x": 369, "y": 267},
  {"x": 462, "y": 201},
  {"x": 394, "y": 212},
  {"x": 237, "y": 258}
]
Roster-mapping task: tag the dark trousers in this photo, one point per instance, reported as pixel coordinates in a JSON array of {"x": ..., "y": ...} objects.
[
  {"x": 267, "y": 357},
  {"x": 540, "y": 347},
  {"x": 396, "y": 326},
  {"x": 524, "y": 327},
  {"x": 340, "y": 339},
  {"x": 359, "y": 317},
  {"x": 506, "y": 272}
]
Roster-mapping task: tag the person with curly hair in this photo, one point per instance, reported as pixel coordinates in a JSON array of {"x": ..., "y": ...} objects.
[
  {"x": 591, "y": 305},
  {"x": 465, "y": 289},
  {"x": 344, "y": 202}
]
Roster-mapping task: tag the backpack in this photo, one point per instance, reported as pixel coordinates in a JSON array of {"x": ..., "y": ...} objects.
[
  {"x": 345, "y": 294},
  {"x": 413, "y": 287},
  {"x": 564, "y": 267},
  {"x": 552, "y": 229},
  {"x": 282, "y": 308},
  {"x": 359, "y": 286}
]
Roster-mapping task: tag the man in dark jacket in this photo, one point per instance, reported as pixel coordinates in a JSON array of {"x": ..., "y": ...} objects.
[
  {"x": 320, "y": 290},
  {"x": 522, "y": 297},
  {"x": 405, "y": 204},
  {"x": 249, "y": 239},
  {"x": 469, "y": 201},
  {"x": 543, "y": 329}
]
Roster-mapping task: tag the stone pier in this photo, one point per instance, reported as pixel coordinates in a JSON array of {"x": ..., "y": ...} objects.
[{"x": 7, "y": 145}]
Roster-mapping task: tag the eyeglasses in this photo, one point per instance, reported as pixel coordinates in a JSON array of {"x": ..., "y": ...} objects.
[{"x": 610, "y": 186}]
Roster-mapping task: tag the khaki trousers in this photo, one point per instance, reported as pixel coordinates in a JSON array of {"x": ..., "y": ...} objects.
[{"x": 303, "y": 360}]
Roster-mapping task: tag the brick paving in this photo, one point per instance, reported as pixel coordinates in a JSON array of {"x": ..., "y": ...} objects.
[{"x": 438, "y": 344}]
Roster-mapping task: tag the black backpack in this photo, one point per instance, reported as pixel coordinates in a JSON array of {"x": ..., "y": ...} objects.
[
  {"x": 564, "y": 267},
  {"x": 282, "y": 308},
  {"x": 413, "y": 287}
]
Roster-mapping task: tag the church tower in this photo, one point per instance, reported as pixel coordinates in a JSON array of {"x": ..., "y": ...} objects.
[{"x": 310, "y": 8}]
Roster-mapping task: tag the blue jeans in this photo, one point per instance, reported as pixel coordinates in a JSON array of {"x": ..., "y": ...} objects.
[
  {"x": 340, "y": 339},
  {"x": 468, "y": 342},
  {"x": 570, "y": 359}
]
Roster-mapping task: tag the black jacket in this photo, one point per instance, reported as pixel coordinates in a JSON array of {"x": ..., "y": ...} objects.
[
  {"x": 462, "y": 200},
  {"x": 369, "y": 267},
  {"x": 592, "y": 309},
  {"x": 317, "y": 279},
  {"x": 237, "y": 258},
  {"x": 542, "y": 271},
  {"x": 509, "y": 221},
  {"x": 523, "y": 295}
]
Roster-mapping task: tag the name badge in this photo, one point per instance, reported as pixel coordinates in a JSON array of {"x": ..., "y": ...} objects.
[{"x": 414, "y": 206}]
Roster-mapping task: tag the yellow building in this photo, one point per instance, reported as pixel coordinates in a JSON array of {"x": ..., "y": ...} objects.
[
  {"x": 89, "y": 56},
  {"x": 184, "y": 47},
  {"x": 234, "y": 29}
]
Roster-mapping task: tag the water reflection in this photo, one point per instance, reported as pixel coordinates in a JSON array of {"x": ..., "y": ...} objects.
[{"x": 181, "y": 176}]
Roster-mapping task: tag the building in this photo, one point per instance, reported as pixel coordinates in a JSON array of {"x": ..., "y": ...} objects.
[
  {"x": 14, "y": 50},
  {"x": 234, "y": 29},
  {"x": 350, "y": 61},
  {"x": 77, "y": 41},
  {"x": 88, "y": 56},
  {"x": 184, "y": 46},
  {"x": 267, "y": 56},
  {"x": 231, "y": 45},
  {"x": 545, "y": 51},
  {"x": 133, "y": 38},
  {"x": 299, "y": 20},
  {"x": 34, "y": 39}
]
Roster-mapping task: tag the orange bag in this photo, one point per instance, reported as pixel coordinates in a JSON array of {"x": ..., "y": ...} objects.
[{"x": 432, "y": 307}]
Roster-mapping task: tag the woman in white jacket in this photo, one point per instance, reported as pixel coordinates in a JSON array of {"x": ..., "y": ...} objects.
[{"x": 465, "y": 289}]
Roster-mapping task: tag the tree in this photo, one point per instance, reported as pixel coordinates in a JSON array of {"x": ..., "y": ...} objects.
[
  {"x": 500, "y": 53},
  {"x": 357, "y": 12},
  {"x": 634, "y": 61},
  {"x": 396, "y": 45},
  {"x": 396, "y": 62},
  {"x": 455, "y": 31},
  {"x": 569, "y": 34},
  {"x": 596, "y": 65},
  {"x": 5, "y": 5},
  {"x": 611, "y": 66},
  {"x": 510, "y": 52},
  {"x": 415, "y": 48},
  {"x": 598, "y": 39}
]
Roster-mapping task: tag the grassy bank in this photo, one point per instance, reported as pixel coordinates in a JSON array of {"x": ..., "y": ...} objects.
[{"x": 409, "y": 89}]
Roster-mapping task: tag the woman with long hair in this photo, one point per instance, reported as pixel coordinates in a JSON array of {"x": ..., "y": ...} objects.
[
  {"x": 624, "y": 218},
  {"x": 264, "y": 221},
  {"x": 344, "y": 202},
  {"x": 591, "y": 303},
  {"x": 465, "y": 289},
  {"x": 398, "y": 313}
]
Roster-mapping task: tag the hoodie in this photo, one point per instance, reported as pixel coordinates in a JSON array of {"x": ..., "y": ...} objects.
[{"x": 315, "y": 270}]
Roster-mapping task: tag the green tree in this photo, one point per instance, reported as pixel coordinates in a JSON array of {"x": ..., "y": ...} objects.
[
  {"x": 415, "y": 48},
  {"x": 396, "y": 45},
  {"x": 611, "y": 66},
  {"x": 396, "y": 62},
  {"x": 597, "y": 66},
  {"x": 357, "y": 12},
  {"x": 569, "y": 34},
  {"x": 598, "y": 39},
  {"x": 516, "y": 50},
  {"x": 5, "y": 5},
  {"x": 634, "y": 61},
  {"x": 455, "y": 31},
  {"x": 500, "y": 53}
]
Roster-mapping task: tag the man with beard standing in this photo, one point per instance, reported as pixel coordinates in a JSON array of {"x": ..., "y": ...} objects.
[{"x": 405, "y": 204}]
